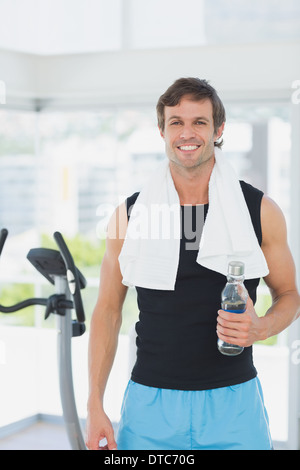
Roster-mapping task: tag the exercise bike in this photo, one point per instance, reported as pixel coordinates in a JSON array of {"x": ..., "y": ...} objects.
[{"x": 59, "y": 269}]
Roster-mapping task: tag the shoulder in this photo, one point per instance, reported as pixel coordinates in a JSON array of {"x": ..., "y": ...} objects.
[
  {"x": 116, "y": 229},
  {"x": 111, "y": 289},
  {"x": 281, "y": 277},
  {"x": 272, "y": 221}
]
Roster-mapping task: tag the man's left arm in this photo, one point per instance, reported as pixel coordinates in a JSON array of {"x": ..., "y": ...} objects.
[{"x": 246, "y": 328}]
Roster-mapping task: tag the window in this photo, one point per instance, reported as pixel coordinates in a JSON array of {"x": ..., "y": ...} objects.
[{"x": 47, "y": 27}]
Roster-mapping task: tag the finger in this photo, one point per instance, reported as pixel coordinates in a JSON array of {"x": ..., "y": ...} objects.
[
  {"x": 229, "y": 331},
  {"x": 230, "y": 317},
  {"x": 108, "y": 442},
  {"x": 111, "y": 443},
  {"x": 229, "y": 335},
  {"x": 96, "y": 443},
  {"x": 92, "y": 445}
]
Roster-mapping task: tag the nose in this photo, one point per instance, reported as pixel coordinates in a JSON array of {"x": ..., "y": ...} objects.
[{"x": 187, "y": 132}]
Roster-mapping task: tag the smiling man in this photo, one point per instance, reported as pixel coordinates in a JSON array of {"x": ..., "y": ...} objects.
[
  {"x": 189, "y": 132},
  {"x": 190, "y": 137},
  {"x": 184, "y": 394}
]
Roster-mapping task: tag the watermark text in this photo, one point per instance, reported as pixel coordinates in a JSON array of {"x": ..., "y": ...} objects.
[
  {"x": 154, "y": 222},
  {"x": 296, "y": 94},
  {"x": 295, "y": 355}
]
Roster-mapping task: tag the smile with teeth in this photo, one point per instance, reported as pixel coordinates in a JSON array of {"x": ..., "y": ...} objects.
[{"x": 188, "y": 147}]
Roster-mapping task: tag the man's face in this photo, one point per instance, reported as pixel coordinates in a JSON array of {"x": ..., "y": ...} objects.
[{"x": 189, "y": 132}]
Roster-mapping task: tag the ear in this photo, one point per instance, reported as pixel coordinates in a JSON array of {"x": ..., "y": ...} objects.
[
  {"x": 219, "y": 132},
  {"x": 161, "y": 132}
]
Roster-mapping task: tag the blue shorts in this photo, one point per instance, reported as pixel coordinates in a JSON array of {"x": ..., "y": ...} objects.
[{"x": 227, "y": 418}]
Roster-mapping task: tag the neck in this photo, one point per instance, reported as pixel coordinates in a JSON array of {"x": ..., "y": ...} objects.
[{"x": 192, "y": 184}]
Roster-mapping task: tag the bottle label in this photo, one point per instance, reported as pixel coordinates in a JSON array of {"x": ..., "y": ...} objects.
[{"x": 234, "y": 308}]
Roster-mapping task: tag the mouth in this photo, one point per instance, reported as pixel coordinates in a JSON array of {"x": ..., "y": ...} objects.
[{"x": 188, "y": 148}]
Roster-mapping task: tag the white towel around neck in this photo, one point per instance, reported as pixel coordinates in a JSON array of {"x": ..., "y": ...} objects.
[{"x": 149, "y": 257}]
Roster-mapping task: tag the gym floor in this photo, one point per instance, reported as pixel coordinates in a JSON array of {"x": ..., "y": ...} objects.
[
  {"x": 43, "y": 434},
  {"x": 38, "y": 436}
]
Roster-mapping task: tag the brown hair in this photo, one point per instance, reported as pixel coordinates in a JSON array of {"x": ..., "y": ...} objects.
[{"x": 198, "y": 90}]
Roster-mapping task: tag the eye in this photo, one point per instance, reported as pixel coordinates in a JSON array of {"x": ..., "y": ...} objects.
[
  {"x": 200, "y": 123},
  {"x": 175, "y": 123}
]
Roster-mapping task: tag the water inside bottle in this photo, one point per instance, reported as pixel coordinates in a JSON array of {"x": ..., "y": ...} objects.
[
  {"x": 235, "y": 307},
  {"x": 226, "y": 348}
]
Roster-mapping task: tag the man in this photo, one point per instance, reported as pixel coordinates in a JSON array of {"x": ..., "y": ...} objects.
[{"x": 184, "y": 394}]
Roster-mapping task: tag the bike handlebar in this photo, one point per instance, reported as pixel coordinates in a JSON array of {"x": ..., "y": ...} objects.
[{"x": 72, "y": 276}]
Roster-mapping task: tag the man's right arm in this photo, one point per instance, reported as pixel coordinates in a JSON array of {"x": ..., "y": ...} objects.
[{"x": 104, "y": 330}]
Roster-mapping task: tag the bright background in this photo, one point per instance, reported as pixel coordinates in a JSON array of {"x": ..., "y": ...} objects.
[{"x": 78, "y": 135}]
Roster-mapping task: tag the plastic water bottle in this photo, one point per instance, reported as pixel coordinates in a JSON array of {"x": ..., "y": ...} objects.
[{"x": 234, "y": 299}]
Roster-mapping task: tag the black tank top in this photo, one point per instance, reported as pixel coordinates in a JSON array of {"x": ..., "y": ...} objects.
[{"x": 176, "y": 332}]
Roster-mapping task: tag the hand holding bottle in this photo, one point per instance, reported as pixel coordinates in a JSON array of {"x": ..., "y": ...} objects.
[
  {"x": 242, "y": 329},
  {"x": 234, "y": 298}
]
